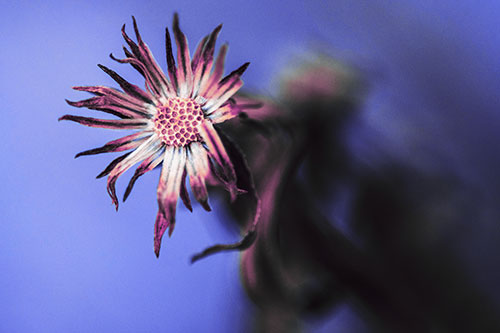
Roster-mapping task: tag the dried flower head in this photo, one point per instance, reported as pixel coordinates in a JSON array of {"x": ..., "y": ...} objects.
[{"x": 175, "y": 119}]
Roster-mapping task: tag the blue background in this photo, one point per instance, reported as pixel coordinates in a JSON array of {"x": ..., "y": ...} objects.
[{"x": 70, "y": 263}]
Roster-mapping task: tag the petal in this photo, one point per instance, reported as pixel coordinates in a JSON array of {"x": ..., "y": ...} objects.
[
  {"x": 215, "y": 88},
  {"x": 102, "y": 90},
  {"x": 127, "y": 87},
  {"x": 184, "y": 71},
  {"x": 172, "y": 70},
  {"x": 147, "y": 165},
  {"x": 157, "y": 80},
  {"x": 163, "y": 221},
  {"x": 112, "y": 165},
  {"x": 197, "y": 54},
  {"x": 225, "y": 112},
  {"x": 226, "y": 88},
  {"x": 244, "y": 177},
  {"x": 174, "y": 162},
  {"x": 106, "y": 123},
  {"x": 184, "y": 193},
  {"x": 204, "y": 65},
  {"x": 129, "y": 54},
  {"x": 231, "y": 109},
  {"x": 110, "y": 98},
  {"x": 137, "y": 64},
  {"x": 235, "y": 74},
  {"x": 218, "y": 153},
  {"x": 147, "y": 57},
  {"x": 217, "y": 73},
  {"x": 95, "y": 103},
  {"x": 144, "y": 151},
  {"x": 198, "y": 169},
  {"x": 221, "y": 96},
  {"x": 125, "y": 143},
  {"x": 105, "y": 104}
]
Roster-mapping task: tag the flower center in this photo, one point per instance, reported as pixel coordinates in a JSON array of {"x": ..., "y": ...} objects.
[{"x": 177, "y": 122}]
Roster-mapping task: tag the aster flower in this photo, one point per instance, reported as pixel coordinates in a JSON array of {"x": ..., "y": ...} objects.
[{"x": 175, "y": 119}]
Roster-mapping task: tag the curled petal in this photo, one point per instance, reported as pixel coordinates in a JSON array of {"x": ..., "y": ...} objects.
[
  {"x": 157, "y": 81},
  {"x": 144, "y": 151},
  {"x": 129, "y": 54},
  {"x": 244, "y": 178},
  {"x": 112, "y": 165},
  {"x": 150, "y": 81},
  {"x": 147, "y": 58},
  {"x": 218, "y": 153},
  {"x": 197, "y": 166},
  {"x": 133, "y": 46},
  {"x": 184, "y": 193},
  {"x": 163, "y": 221},
  {"x": 147, "y": 165}
]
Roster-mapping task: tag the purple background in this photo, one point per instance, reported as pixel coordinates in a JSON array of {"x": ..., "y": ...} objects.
[{"x": 70, "y": 263}]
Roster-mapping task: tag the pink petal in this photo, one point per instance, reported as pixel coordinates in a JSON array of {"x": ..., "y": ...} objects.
[
  {"x": 172, "y": 70},
  {"x": 106, "y": 123},
  {"x": 226, "y": 88},
  {"x": 150, "y": 80},
  {"x": 112, "y": 165},
  {"x": 147, "y": 165},
  {"x": 197, "y": 54},
  {"x": 147, "y": 58},
  {"x": 125, "y": 143},
  {"x": 184, "y": 71},
  {"x": 204, "y": 65},
  {"x": 129, "y": 88},
  {"x": 218, "y": 153},
  {"x": 169, "y": 186},
  {"x": 217, "y": 88},
  {"x": 145, "y": 150},
  {"x": 157, "y": 80},
  {"x": 198, "y": 169},
  {"x": 161, "y": 224},
  {"x": 184, "y": 193},
  {"x": 213, "y": 79},
  {"x": 225, "y": 112},
  {"x": 113, "y": 101}
]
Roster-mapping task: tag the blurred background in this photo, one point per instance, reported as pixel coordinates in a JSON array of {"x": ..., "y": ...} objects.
[{"x": 394, "y": 172}]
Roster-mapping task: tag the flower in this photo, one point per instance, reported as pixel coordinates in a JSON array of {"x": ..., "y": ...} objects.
[{"x": 175, "y": 119}]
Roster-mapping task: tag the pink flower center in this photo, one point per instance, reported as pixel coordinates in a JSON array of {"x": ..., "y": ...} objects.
[{"x": 177, "y": 122}]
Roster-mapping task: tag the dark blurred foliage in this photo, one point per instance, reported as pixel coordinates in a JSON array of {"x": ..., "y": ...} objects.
[{"x": 393, "y": 266}]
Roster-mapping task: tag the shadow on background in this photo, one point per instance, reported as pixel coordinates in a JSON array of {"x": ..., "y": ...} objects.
[{"x": 336, "y": 229}]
